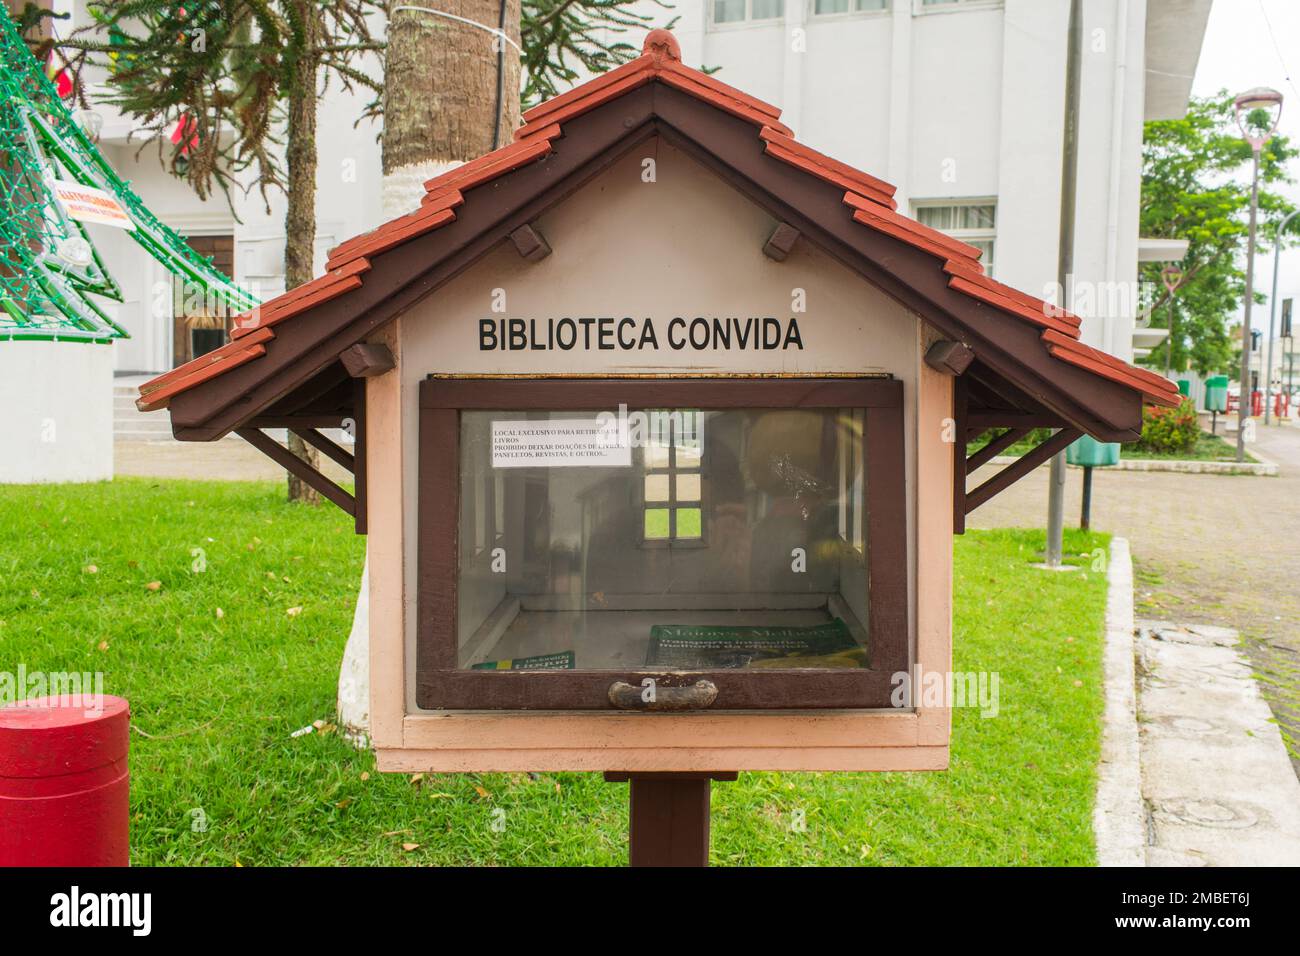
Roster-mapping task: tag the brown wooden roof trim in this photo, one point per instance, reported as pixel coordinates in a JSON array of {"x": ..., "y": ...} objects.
[
  {"x": 215, "y": 357},
  {"x": 159, "y": 397},
  {"x": 407, "y": 273},
  {"x": 1004, "y": 342},
  {"x": 786, "y": 148}
]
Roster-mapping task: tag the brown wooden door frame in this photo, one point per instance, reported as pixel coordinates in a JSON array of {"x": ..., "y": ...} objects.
[
  {"x": 220, "y": 247},
  {"x": 441, "y": 684}
]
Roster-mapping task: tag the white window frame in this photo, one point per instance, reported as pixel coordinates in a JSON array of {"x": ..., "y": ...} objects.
[
  {"x": 989, "y": 234},
  {"x": 921, "y": 8},
  {"x": 850, "y": 14},
  {"x": 748, "y": 21}
]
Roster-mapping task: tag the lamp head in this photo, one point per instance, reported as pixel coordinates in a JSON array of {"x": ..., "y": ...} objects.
[
  {"x": 1171, "y": 275},
  {"x": 1258, "y": 113}
]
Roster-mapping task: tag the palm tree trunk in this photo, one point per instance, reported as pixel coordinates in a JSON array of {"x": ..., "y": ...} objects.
[
  {"x": 300, "y": 218},
  {"x": 451, "y": 93}
]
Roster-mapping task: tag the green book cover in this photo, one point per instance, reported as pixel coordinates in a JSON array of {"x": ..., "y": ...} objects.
[
  {"x": 562, "y": 660},
  {"x": 717, "y": 647}
]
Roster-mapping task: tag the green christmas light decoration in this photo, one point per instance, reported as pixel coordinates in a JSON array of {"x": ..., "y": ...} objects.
[{"x": 50, "y": 271}]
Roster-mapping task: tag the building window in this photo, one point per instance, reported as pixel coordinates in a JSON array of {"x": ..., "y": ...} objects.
[
  {"x": 200, "y": 324},
  {"x": 928, "y": 5},
  {"x": 824, "y": 8},
  {"x": 974, "y": 222},
  {"x": 740, "y": 11},
  {"x": 673, "y": 479}
]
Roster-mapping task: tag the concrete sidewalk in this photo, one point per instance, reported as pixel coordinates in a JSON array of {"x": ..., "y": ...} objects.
[
  {"x": 1216, "y": 776},
  {"x": 1193, "y": 768},
  {"x": 1209, "y": 549}
]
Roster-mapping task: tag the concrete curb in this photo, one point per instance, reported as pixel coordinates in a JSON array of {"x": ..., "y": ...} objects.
[
  {"x": 1265, "y": 469},
  {"x": 1119, "y": 817}
]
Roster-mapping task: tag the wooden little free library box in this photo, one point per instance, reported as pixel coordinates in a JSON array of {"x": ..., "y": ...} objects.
[{"x": 659, "y": 424}]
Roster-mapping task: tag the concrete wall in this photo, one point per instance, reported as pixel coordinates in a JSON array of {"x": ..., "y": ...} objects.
[{"x": 57, "y": 423}]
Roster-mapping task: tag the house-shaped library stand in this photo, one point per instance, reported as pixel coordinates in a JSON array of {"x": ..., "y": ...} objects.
[{"x": 660, "y": 425}]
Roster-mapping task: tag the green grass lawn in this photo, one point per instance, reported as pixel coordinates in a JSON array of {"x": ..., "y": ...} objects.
[
  {"x": 238, "y": 643},
  {"x": 1207, "y": 448}
]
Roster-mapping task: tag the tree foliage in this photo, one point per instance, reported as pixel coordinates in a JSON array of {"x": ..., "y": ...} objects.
[
  {"x": 1196, "y": 179},
  {"x": 563, "y": 38},
  {"x": 209, "y": 78},
  {"x": 187, "y": 72}
]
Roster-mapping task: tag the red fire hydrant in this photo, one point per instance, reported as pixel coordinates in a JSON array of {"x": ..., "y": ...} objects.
[{"x": 64, "y": 782}]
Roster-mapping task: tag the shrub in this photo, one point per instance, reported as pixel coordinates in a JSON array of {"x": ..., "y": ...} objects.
[{"x": 1170, "y": 430}]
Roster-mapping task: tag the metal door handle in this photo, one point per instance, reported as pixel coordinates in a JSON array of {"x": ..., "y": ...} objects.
[{"x": 696, "y": 696}]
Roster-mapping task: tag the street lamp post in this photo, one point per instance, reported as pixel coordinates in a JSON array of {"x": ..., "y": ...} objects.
[
  {"x": 1171, "y": 276},
  {"x": 1246, "y": 105},
  {"x": 1272, "y": 317}
]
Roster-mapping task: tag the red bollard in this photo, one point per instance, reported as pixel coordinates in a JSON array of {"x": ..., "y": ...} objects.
[{"x": 64, "y": 782}]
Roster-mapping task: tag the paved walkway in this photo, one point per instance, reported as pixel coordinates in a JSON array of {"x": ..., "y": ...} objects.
[
  {"x": 1214, "y": 770},
  {"x": 1208, "y": 549},
  {"x": 229, "y": 460},
  {"x": 1193, "y": 770}
]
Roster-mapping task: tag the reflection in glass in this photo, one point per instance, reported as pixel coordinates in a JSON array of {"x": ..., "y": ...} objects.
[{"x": 708, "y": 539}]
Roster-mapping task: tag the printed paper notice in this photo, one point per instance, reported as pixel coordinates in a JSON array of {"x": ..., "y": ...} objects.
[
  {"x": 562, "y": 443},
  {"x": 88, "y": 204}
]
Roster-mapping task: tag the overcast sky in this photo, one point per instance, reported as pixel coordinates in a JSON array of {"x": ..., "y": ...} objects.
[{"x": 1253, "y": 43}]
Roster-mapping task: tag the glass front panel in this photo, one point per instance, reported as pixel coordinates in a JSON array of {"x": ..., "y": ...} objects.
[{"x": 675, "y": 539}]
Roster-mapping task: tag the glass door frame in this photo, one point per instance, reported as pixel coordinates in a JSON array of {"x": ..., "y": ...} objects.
[{"x": 442, "y": 685}]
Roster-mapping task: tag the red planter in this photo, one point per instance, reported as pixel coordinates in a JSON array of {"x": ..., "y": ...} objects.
[{"x": 64, "y": 782}]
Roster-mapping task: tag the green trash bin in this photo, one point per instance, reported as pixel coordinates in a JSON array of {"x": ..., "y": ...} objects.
[
  {"x": 1216, "y": 399},
  {"x": 1090, "y": 453},
  {"x": 1185, "y": 387},
  {"x": 1216, "y": 394}
]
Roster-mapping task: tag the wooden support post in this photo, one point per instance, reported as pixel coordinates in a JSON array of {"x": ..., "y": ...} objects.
[
  {"x": 668, "y": 819},
  {"x": 326, "y": 447},
  {"x": 360, "y": 512},
  {"x": 995, "y": 447},
  {"x": 291, "y": 462},
  {"x": 1023, "y": 466},
  {"x": 960, "y": 400}
]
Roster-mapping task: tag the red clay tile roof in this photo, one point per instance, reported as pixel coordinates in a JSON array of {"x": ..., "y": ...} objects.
[{"x": 871, "y": 201}]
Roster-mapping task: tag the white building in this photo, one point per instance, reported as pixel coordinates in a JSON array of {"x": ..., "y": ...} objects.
[{"x": 959, "y": 103}]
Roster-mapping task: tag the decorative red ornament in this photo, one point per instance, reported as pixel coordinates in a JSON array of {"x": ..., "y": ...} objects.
[{"x": 186, "y": 129}]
